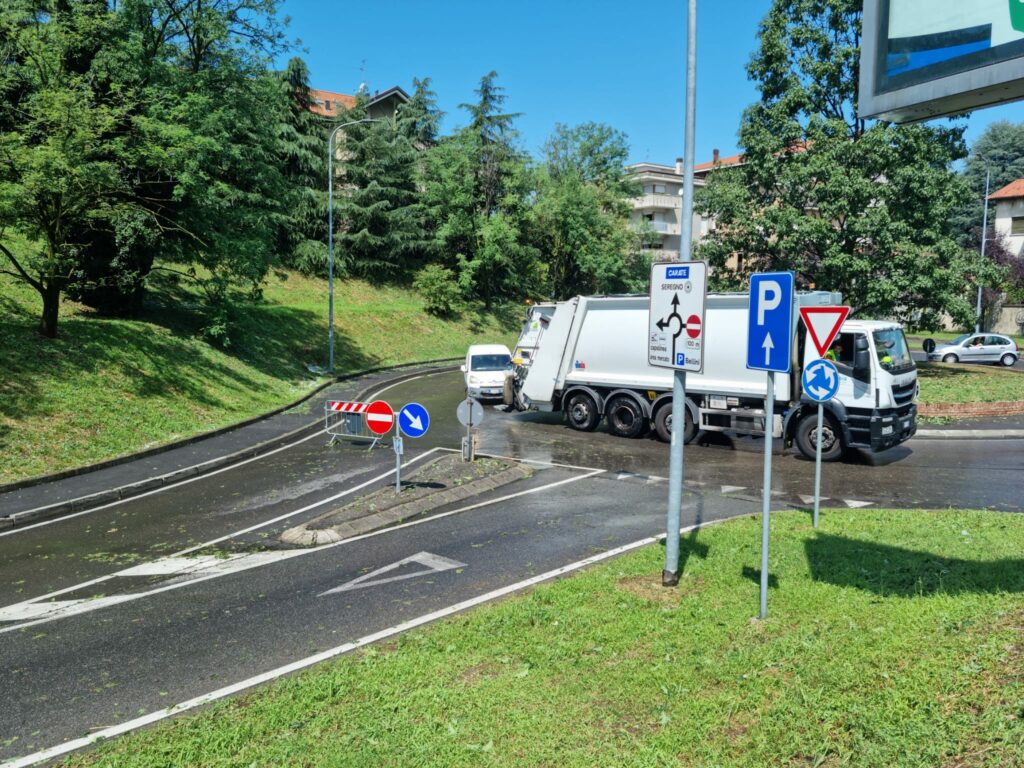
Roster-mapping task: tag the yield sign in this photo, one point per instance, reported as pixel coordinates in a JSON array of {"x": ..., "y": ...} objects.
[
  {"x": 823, "y": 323},
  {"x": 379, "y": 417},
  {"x": 429, "y": 562}
]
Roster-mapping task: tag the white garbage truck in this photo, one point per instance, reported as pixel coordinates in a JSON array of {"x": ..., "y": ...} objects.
[{"x": 587, "y": 357}]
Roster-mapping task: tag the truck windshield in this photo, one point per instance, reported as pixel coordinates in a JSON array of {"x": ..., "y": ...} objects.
[
  {"x": 893, "y": 352},
  {"x": 490, "y": 362}
]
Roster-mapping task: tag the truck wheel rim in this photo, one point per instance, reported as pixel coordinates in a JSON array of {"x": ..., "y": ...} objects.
[{"x": 828, "y": 438}]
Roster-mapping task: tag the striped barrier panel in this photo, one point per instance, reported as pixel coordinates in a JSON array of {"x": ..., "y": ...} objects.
[{"x": 346, "y": 419}]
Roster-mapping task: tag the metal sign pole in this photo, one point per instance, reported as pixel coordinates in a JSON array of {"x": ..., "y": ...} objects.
[
  {"x": 817, "y": 467},
  {"x": 670, "y": 575},
  {"x": 769, "y": 420},
  {"x": 397, "y": 445}
]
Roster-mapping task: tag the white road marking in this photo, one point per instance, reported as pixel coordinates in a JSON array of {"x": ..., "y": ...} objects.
[
  {"x": 810, "y": 499},
  {"x": 433, "y": 563},
  {"x": 733, "y": 488},
  {"x": 255, "y": 563},
  {"x": 295, "y": 666},
  {"x": 854, "y": 504},
  {"x": 161, "y": 489}
]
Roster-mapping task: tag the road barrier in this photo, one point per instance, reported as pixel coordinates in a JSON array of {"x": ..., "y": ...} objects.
[{"x": 346, "y": 420}]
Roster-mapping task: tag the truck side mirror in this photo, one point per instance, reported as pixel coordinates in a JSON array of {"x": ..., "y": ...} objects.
[{"x": 861, "y": 359}]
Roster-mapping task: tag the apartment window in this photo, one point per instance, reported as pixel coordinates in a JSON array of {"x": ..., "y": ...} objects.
[
  {"x": 659, "y": 189},
  {"x": 649, "y": 216},
  {"x": 327, "y": 105},
  {"x": 1017, "y": 225}
]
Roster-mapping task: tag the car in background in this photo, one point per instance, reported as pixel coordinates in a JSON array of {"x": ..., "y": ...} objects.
[
  {"x": 486, "y": 368},
  {"x": 974, "y": 348}
]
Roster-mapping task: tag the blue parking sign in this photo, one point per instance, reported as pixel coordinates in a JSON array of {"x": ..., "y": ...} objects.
[{"x": 770, "y": 322}]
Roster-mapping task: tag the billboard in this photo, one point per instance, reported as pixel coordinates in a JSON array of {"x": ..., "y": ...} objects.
[{"x": 927, "y": 58}]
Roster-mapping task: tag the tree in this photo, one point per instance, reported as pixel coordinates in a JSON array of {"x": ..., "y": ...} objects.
[
  {"x": 57, "y": 136},
  {"x": 381, "y": 233},
  {"x": 582, "y": 213},
  {"x": 848, "y": 206},
  {"x": 302, "y": 141}
]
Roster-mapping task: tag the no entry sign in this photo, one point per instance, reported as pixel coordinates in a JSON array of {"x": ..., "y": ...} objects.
[{"x": 379, "y": 417}]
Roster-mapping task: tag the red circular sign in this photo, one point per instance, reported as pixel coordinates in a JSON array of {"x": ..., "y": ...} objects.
[
  {"x": 693, "y": 326},
  {"x": 379, "y": 417}
]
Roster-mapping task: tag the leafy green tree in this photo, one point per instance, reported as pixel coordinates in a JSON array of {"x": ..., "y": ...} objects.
[
  {"x": 582, "y": 213},
  {"x": 57, "y": 137},
  {"x": 302, "y": 146},
  {"x": 381, "y": 232},
  {"x": 419, "y": 118},
  {"x": 859, "y": 208}
]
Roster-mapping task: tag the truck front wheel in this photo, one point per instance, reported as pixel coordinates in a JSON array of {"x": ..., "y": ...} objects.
[
  {"x": 625, "y": 417},
  {"x": 581, "y": 411},
  {"x": 807, "y": 437},
  {"x": 663, "y": 424}
]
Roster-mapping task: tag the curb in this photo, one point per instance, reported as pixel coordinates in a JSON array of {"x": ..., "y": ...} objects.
[
  {"x": 970, "y": 434},
  {"x": 129, "y": 490}
]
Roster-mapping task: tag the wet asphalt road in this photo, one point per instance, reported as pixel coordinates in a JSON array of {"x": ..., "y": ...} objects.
[{"x": 172, "y": 639}]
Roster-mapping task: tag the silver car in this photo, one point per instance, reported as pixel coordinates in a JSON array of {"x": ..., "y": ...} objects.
[{"x": 974, "y": 348}]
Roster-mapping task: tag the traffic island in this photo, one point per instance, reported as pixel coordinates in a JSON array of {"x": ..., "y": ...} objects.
[{"x": 438, "y": 482}]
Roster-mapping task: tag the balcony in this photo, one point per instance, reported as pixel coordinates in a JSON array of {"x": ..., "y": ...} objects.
[
  {"x": 664, "y": 228},
  {"x": 658, "y": 202}
]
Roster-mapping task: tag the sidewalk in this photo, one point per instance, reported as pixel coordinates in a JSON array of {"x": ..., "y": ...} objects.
[{"x": 188, "y": 458}]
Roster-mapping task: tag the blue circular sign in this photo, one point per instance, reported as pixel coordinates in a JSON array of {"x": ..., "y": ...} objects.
[
  {"x": 820, "y": 381},
  {"x": 414, "y": 420}
]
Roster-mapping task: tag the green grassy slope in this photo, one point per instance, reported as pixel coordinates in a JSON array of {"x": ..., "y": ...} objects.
[
  {"x": 110, "y": 386},
  {"x": 893, "y": 639}
]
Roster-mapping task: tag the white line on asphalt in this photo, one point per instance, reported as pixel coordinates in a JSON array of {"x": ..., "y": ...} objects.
[
  {"x": 295, "y": 666},
  {"x": 529, "y": 461},
  {"x": 210, "y": 543},
  {"x": 177, "y": 584},
  {"x": 161, "y": 489}
]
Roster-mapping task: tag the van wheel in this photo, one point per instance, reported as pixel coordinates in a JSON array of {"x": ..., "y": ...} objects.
[
  {"x": 625, "y": 417},
  {"x": 1008, "y": 360},
  {"x": 951, "y": 359},
  {"x": 807, "y": 435},
  {"x": 663, "y": 424},
  {"x": 581, "y": 411}
]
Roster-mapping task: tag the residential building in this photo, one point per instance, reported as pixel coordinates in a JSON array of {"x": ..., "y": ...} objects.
[
  {"x": 660, "y": 207},
  {"x": 1009, "y": 215},
  {"x": 383, "y": 104}
]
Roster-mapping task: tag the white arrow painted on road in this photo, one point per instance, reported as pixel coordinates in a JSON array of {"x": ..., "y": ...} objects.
[
  {"x": 433, "y": 564},
  {"x": 854, "y": 504},
  {"x": 810, "y": 499},
  {"x": 731, "y": 488},
  {"x": 768, "y": 346},
  {"x": 415, "y": 421}
]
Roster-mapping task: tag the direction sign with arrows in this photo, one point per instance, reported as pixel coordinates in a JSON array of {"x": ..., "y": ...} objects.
[
  {"x": 823, "y": 324},
  {"x": 678, "y": 292},
  {"x": 770, "y": 323},
  {"x": 820, "y": 381},
  {"x": 414, "y": 420}
]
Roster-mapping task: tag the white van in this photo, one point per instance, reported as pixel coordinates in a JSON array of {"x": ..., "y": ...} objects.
[{"x": 486, "y": 368}]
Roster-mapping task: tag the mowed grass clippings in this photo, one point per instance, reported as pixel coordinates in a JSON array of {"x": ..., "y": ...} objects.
[
  {"x": 110, "y": 386},
  {"x": 894, "y": 639},
  {"x": 942, "y": 383}
]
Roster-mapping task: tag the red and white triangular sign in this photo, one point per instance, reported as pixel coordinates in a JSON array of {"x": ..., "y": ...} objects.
[{"x": 823, "y": 323}]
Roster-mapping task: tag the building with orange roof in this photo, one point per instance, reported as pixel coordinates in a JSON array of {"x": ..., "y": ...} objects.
[
  {"x": 382, "y": 104},
  {"x": 1009, "y": 215}
]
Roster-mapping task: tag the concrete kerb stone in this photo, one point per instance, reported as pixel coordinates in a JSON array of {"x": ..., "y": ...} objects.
[
  {"x": 129, "y": 490},
  {"x": 304, "y": 536}
]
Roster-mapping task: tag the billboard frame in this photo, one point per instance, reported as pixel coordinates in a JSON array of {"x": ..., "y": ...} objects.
[{"x": 981, "y": 86}]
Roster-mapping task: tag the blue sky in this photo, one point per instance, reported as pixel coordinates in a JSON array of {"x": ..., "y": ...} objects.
[{"x": 568, "y": 61}]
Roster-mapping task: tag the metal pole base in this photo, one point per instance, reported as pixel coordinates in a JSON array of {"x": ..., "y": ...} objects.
[{"x": 669, "y": 579}]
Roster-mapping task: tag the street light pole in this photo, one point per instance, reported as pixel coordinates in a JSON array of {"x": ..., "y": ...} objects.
[
  {"x": 330, "y": 236},
  {"x": 984, "y": 239}
]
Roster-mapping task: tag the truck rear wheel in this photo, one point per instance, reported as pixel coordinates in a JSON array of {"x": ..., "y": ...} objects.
[
  {"x": 807, "y": 437},
  {"x": 663, "y": 424},
  {"x": 581, "y": 411},
  {"x": 625, "y": 417}
]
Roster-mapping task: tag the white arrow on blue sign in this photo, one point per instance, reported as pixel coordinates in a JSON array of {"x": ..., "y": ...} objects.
[
  {"x": 414, "y": 420},
  {"x": 770, "y": 324},
  {"x": 820, "y": 381}
]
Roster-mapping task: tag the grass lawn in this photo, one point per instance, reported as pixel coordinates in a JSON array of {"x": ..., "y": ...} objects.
[
  {"x": 943, "y": 383},
  {"x": 110, "y": 386},
  {"x": 894, "y": 639}
]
